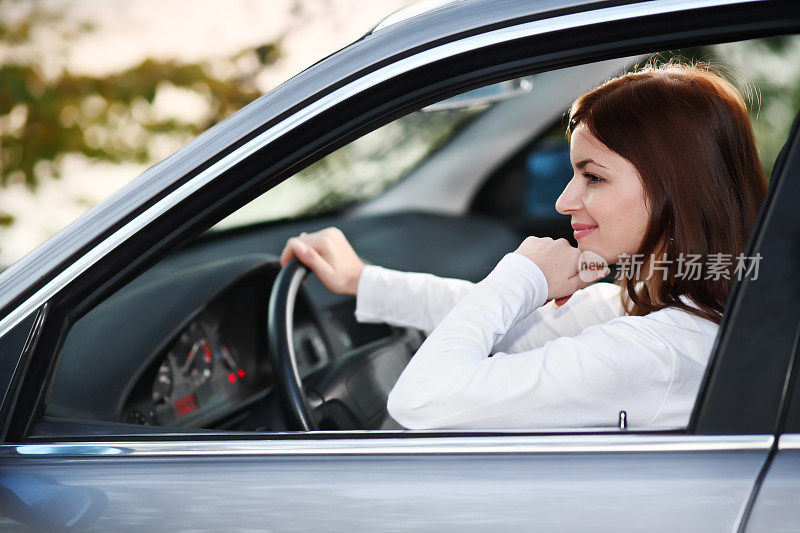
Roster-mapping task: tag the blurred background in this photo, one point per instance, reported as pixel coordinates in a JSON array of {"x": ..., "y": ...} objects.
[{"x": 92, "y": 92}]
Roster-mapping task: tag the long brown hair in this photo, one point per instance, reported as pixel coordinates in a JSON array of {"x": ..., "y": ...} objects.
[{"x": 687, "y": 131}]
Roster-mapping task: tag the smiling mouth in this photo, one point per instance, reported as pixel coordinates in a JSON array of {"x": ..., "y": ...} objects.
[{"x": 582, "y": 230}]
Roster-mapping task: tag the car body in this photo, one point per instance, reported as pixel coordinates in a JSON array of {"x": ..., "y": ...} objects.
[{"x": 122, "y": 284}]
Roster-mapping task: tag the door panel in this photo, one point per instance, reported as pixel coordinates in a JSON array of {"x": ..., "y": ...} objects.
[
  {"x": 776, "y": 507},
  {"x": 571, "y": 483}
]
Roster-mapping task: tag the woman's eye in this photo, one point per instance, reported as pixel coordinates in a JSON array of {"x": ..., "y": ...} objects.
[{"x": 591, "y": 178}]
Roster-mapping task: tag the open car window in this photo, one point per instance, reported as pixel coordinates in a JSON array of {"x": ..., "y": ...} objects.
[
  {"x": 184, "y": 346},
  {"x": 360, "y": 170}
]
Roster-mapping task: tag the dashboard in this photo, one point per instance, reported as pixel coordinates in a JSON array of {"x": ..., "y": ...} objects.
[
  {"x": 203, "y": 331},
  {"x": 184, "y": 344},
  {"x": 214, "y": 364}
]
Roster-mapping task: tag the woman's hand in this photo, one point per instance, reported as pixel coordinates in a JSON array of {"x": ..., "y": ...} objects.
[
  {"x": 328, "y": 254},
  {"x": 559, "y": 262}
]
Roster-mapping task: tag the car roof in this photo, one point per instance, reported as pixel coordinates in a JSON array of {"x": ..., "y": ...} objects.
[
  {"x": 405, "y": 37},
  {"x": 486, "y": 9},
  {"x": 417, "y": 8}
]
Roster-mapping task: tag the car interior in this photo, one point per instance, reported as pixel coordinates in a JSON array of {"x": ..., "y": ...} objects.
[{"x": 190, "y": 344}]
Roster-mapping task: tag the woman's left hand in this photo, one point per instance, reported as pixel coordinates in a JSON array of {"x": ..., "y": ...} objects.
[{"x": 559, "y": 261}]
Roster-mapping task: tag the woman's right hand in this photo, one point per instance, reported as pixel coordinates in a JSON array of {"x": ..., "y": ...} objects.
[
  {"x": 329, "y": 256},
  {"x": 561, "y": 265}
]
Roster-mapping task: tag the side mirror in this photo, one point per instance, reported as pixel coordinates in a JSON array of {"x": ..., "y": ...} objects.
[{"x": 485, "y": 95}]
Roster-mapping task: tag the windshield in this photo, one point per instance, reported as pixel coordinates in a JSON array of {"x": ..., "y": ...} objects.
[{"x": 358, "y": 171}]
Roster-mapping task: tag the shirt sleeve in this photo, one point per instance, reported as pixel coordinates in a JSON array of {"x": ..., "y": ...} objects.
[
  {"x": 578, "y": 381},
  {"x": 406, "y": 299},
  {"x": 411, "y": 299}
]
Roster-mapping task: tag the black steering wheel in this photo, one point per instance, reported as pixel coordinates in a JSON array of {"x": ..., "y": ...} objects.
[
  {"x": 349, "y": 392},
  {"x": 280, "y": 329}
]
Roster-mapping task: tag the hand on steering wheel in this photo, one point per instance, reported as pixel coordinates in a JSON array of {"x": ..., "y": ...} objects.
[
  {"x": 329, "y": 255},
  {"x": 341, "y": 405},
  {"x": 280, "y": 329}
]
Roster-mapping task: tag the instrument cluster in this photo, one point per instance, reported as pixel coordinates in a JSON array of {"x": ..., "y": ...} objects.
[{"x": 207, "y": 371}]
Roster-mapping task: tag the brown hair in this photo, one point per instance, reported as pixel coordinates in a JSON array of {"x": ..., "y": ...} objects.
[{"x": 687, "y": 131}]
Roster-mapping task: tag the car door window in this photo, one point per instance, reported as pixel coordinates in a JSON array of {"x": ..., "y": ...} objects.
[
  {"x": 524, "y": 188},
  {"x": 360, "y": 170},
  {"x": 184, "y": 344}
]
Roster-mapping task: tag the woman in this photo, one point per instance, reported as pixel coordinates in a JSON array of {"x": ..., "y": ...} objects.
[{"x": 665, "y": 169}]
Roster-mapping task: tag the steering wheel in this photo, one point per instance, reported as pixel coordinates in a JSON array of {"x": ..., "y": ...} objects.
[
  {"x": 348, "y": 393},
  {"x": 280, "y": 329}
]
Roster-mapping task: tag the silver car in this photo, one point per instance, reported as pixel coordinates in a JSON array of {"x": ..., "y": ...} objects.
[{"x": 160, "y": 371}]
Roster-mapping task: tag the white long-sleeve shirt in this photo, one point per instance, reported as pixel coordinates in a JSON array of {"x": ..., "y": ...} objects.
[{"x": 575, "y": 366}]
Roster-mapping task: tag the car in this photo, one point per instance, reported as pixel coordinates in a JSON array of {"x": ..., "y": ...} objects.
[{"x": 160, "y": 370}]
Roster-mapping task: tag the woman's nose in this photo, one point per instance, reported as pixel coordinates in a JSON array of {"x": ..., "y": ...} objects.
[{"x": 570, "y": 200}]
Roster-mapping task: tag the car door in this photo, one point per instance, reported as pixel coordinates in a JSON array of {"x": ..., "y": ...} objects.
[
  {"x": 696, "y": 478},
  {"x": 773, "y": 506}
]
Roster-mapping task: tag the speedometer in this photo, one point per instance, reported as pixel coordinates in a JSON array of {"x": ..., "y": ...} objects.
[
  {"x": 200, "y": 377},
  {"x": 199, "y": 363}
]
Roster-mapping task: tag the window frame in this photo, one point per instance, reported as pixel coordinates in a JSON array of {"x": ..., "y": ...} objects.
[{"x": 781, "y": 215}]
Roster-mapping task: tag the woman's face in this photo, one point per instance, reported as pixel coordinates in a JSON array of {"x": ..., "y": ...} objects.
[{"x": 605, "y": 199}]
